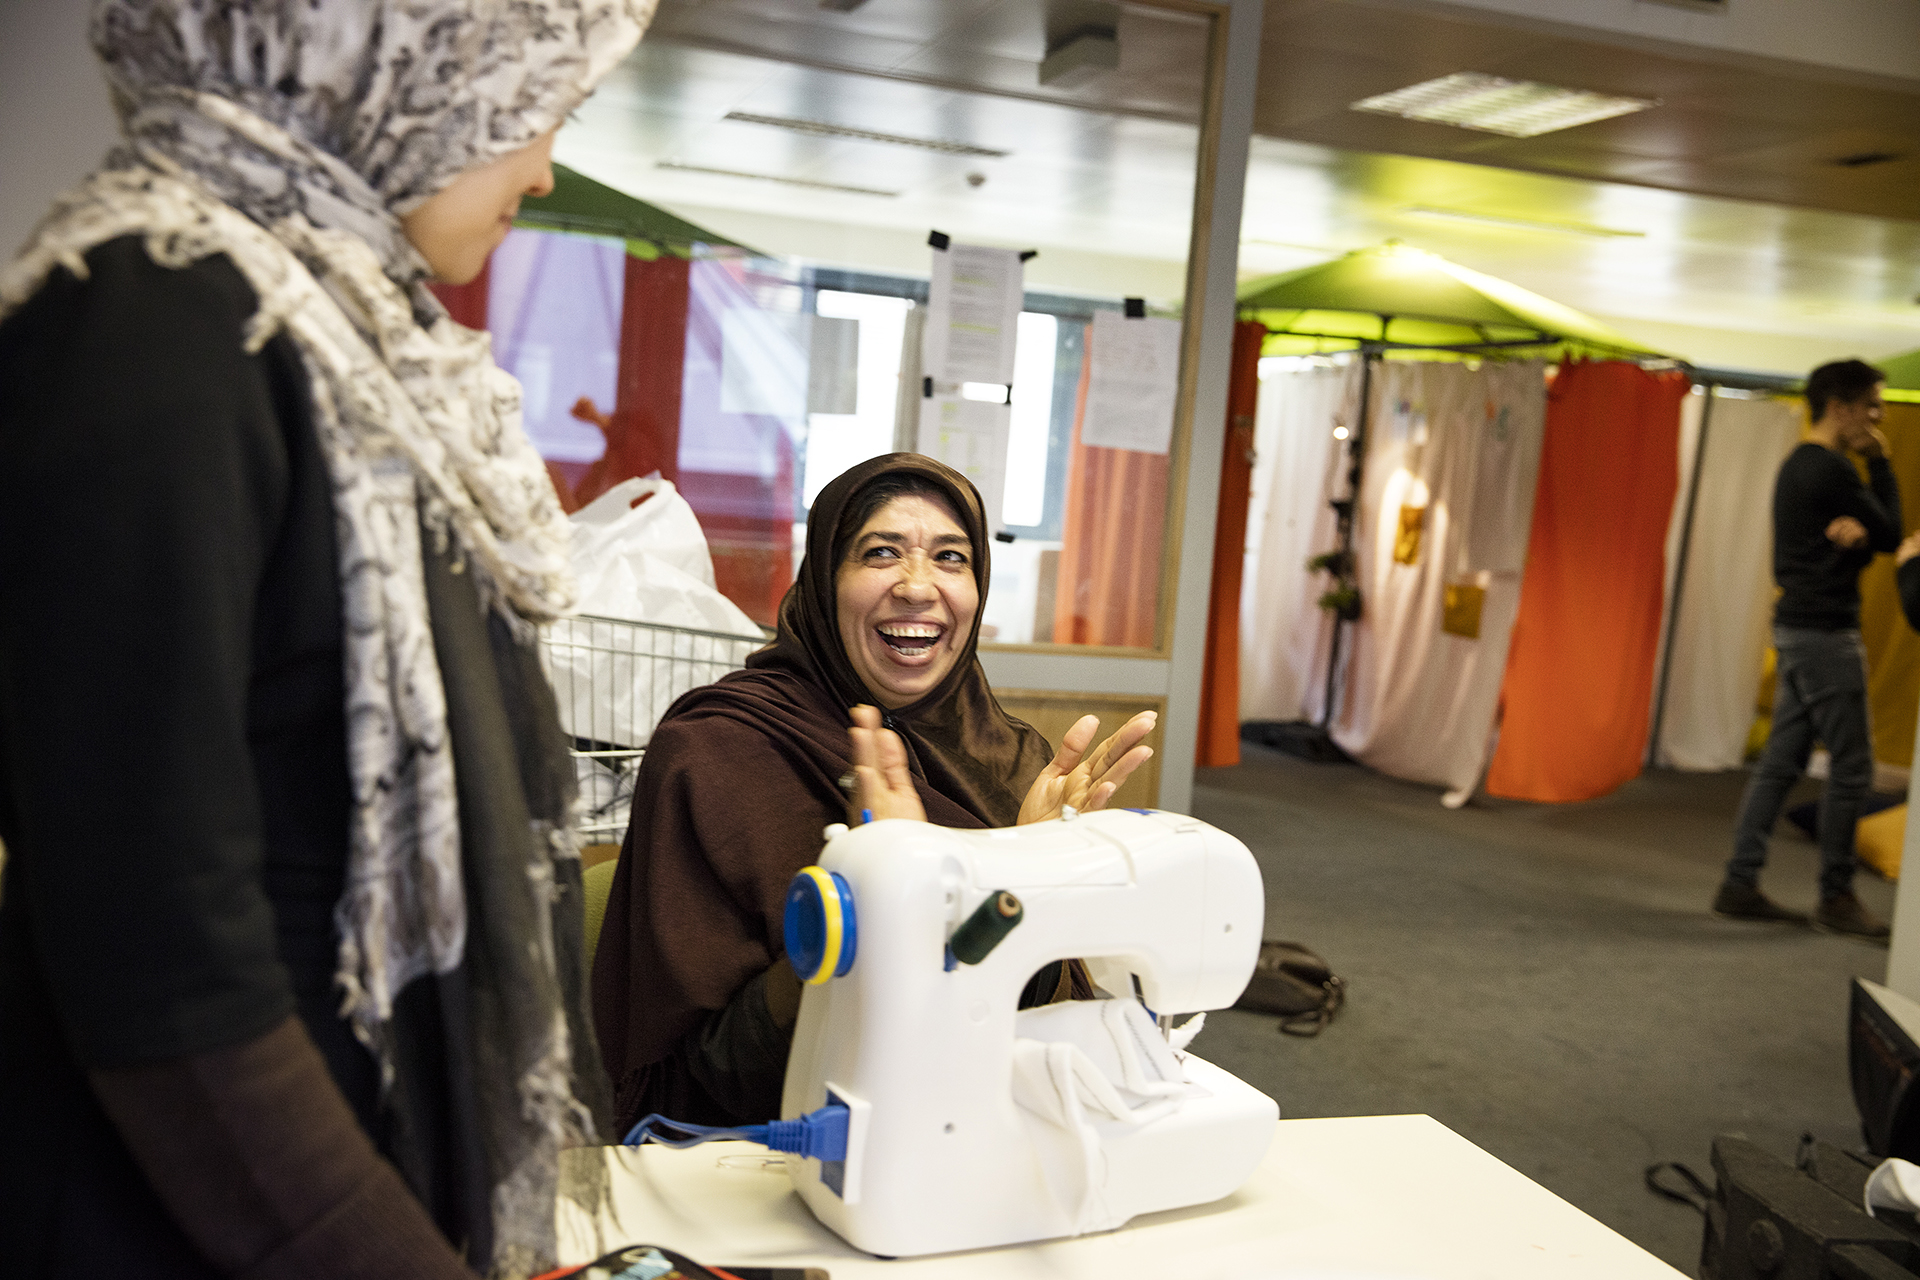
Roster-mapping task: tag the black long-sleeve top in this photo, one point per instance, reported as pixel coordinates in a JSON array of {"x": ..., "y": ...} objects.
[
  {"x": 174, "y": 794},
  {"x": 1819, "y": 579}
]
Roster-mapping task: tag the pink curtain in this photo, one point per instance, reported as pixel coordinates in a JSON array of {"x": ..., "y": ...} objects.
[{"x": 1116, "y": 514}]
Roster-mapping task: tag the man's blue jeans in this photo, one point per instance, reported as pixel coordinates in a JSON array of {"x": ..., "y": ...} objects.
[{"x": 1820, "y": 693}]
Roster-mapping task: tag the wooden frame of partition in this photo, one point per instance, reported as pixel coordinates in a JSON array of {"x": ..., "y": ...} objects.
[{"x": 1180, "y": 452}]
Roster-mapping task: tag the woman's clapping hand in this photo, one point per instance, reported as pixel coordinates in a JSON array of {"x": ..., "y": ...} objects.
[
  {"x": 882, "y": 783},
  {"x": 1084, "y": 780}
]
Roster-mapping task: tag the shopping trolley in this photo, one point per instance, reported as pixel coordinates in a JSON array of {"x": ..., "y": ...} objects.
[{"x": 614, "y": 679}]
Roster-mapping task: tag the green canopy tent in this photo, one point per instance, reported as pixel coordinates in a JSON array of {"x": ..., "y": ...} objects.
[
  {"x": 1903, "y": 376},
  {"x": 581, "y": 205},
  {"x": 1395, "y": 299}
]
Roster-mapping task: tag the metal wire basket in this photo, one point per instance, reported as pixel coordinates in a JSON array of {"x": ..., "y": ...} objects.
[{"x": 614, "y": 679}]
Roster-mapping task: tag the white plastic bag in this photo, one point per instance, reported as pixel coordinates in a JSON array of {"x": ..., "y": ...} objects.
[{"x": 647, "y": 564}]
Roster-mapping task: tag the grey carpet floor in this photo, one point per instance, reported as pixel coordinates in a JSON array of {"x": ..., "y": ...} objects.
[{"x": 1545, "y": 979}]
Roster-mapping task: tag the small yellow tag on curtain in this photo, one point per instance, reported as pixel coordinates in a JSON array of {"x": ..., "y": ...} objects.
[
  {"x": 1406, "y": 543},
  {"x": 1460, "y": 606}
]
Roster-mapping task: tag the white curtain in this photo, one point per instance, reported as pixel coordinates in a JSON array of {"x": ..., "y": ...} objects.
[
  {"x": 1282, "y": 630},
  {"x": 1720, "y": 627},
  {"x": 1454, "y": 452}
]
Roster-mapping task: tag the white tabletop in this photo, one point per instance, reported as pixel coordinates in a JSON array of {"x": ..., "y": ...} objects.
[{"x": 1380, "y": 1197}]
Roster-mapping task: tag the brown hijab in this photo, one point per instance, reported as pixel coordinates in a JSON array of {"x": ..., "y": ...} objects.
[
  {"x": 739, "y": 780},
  {"x": 958, "y": 737}
]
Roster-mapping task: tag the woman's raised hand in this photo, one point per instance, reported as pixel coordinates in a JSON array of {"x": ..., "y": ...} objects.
[
  {"x": 882, "y": 783},
  {"x": 1087, "y": 780}
]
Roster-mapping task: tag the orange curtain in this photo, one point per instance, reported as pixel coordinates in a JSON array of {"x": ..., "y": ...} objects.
[
  {"x": 1579, "y": 680},
  {"x": 1220, "y": 683},
  {"x": 1111, "y": 543}
]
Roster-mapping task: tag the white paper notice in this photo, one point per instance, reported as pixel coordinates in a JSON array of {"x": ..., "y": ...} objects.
[
  {"x": 973, "y": 307},
  {"x": 971, "y": 437},
  {"x": 1133, "y": 384}
]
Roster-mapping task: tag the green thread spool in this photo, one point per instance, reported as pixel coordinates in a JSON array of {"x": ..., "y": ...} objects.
[{"x": 982, "y": 931}]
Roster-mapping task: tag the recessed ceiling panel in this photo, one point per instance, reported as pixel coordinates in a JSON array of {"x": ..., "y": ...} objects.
[{"x": 1318, "y": 55}]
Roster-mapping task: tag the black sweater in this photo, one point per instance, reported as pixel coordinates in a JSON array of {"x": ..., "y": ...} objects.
[
  {"x": 174, "y": 793},
  {"x": 1819, "y": 579}
]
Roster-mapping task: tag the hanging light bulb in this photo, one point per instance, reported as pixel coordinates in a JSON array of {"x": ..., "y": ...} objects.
[{"x": 1339, "y": 433}]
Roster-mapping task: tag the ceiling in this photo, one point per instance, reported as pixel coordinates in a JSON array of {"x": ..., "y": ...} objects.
[
  {"x": 1714, "y": 225},
  {"x": 1118, "y": 181},
  {"x": 978, "y": 45},
  {"x": 1732, "y": 125}
]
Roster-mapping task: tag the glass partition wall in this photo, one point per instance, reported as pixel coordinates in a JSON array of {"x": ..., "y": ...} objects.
[{"x": 774, "y": 335}]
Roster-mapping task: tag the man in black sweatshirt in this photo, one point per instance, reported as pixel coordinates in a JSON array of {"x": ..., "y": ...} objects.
[{"x": 1827, "y": 526}]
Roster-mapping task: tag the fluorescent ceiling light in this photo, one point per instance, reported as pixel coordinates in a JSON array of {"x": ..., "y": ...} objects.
[
  {"x": 1515, "y": 108},
  {"x": 1523, "y": 224},
  {"x": 822, "y": 129},
  {"x": 677, "y": 167}
]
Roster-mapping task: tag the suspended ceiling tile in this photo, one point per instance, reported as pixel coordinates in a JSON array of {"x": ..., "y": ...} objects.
[
  {"x": 1826, "y": 148},
  {"x": 857, "y": 102},
  {"x": 779, "y": 30},
  {"x": 673, "y": 80},
  {"x": 1364, "y": 131},
  {"x": 1335, "y": 76},
  {"x": 645, "y": 133},
  {"x": 1162, "y": 58},
  {"x": 1427, "y": 43},
  {"x": 907, "y": 22}
]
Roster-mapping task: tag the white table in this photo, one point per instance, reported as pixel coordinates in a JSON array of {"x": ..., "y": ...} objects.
[{"x": 1379, "y": 1197}]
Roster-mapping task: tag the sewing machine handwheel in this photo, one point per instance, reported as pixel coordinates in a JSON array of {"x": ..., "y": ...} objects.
[{"x": 822, "y": 933}]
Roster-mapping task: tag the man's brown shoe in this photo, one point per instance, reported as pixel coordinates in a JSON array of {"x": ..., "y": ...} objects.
[
  {"x": 1842, "y": 913},
  {"x": 1746, "y": 902}
]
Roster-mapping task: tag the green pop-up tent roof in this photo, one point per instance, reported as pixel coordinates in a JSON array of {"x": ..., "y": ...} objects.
[
  {"x": 578, "y": 203},
  {"x": 1903, "y": 372},
  {"x": 1399, "y": 296}
]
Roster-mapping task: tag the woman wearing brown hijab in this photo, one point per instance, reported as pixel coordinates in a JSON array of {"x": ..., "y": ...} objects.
[{"x": 693, "y": 1006}]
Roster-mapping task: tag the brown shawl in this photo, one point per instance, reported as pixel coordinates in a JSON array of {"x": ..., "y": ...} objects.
[{"x": 742, "y": 776}]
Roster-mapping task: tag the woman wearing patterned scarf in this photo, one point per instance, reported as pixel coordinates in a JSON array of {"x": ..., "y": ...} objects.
[{"x": 290, "y": 971}]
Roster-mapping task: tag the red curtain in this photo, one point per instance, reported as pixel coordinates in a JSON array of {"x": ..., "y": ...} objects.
[
  {"x": 1220, "y": 683},
  {"x": 1111, "y": 543},
  {"x": 1579, "y": 679},
  {"x": 466, "y": 303},
  {"x": 643, "y": 431}
]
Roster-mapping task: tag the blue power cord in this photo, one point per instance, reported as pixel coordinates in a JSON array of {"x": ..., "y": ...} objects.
[{"x": 820, "y": 1134}]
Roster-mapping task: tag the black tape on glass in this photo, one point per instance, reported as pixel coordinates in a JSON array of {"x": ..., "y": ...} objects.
[{"x": 1136, "y": 308}]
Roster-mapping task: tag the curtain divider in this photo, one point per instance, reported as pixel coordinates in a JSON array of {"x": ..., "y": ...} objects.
[{"x": 1680, "y": 575}]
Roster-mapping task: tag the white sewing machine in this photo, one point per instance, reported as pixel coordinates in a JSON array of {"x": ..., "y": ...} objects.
[{"x": 974, "y": 1125}]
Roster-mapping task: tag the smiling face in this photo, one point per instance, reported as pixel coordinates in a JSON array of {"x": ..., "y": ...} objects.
[
  {"x": 456, "y": 228},
  {"x": 906, "y": 598}
]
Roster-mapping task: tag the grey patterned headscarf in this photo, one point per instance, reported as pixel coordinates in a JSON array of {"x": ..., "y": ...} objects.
[
  {"x": 290, "y": 136},
  {"x": 375, "y": 104}
]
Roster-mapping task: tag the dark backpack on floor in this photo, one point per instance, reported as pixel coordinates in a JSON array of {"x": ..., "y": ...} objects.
[{"x": 1293, "y": 982}]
